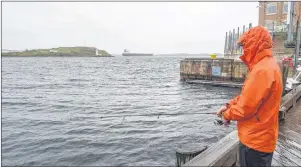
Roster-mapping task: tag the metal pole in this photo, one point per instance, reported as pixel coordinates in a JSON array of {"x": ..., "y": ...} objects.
[
  {"x": 297, "y": 54},
  {"x": 237, "y": 49},
  {"x": 226, "y": 42},
  {"x": 233, "y": 43},
  {"x": 243, "y": 31},
  {"x": 273, "y": 31},
  {"x": 229, "y": 43},
  {"x": 291, "y": 21}
]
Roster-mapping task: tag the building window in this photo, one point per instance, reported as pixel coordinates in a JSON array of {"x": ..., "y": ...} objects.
[
  {"x": 269, "y": 24},
  {"x": 271, "y": 8},
  {"x": 285, "y": 7}
]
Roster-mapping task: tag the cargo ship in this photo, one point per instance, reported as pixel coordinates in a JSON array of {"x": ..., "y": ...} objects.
[{"x": 128, "y": 53}]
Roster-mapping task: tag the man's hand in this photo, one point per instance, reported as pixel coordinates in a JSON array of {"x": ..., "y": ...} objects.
[
  {"x": 226, "y": 122},
  {"x": 221, "y": 110}
]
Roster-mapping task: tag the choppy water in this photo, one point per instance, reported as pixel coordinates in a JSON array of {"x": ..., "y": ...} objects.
[{"x": 54, "y": 111}]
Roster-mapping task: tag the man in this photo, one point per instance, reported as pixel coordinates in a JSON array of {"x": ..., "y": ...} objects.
[{"x": 256, "y": 108}]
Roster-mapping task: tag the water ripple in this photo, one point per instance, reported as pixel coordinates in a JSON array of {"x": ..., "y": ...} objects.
[{"x": 54, "y": 111}]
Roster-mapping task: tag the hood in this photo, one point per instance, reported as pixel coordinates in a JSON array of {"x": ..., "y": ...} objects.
[{"x": 257, "y": 44}]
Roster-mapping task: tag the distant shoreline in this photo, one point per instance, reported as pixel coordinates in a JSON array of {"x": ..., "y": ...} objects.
[
  {"x": 54, "y": 56},
  {"x": 60, "y": 52}
]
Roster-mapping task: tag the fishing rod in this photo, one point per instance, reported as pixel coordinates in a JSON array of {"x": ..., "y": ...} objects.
[
  {"x": 216, "y": 121},
  {"x": 158, "y": 115}
]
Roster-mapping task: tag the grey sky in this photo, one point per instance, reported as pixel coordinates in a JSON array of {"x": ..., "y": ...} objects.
[{"x": 157, "y": 27}]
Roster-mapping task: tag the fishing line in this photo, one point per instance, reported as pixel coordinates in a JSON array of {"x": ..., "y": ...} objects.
[
  {"x": 149, "y": 115},
  {"x": 217, "y": 122},
  {"x": 157, "y": 115}
]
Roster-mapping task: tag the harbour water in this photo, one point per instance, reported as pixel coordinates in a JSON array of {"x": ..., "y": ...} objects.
[{"x": 56, "y": 111}]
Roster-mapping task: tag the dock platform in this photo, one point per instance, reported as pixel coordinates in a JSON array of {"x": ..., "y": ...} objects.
[
  {"x": 220, "y": 72},
  {"x": 288, "y": 150}
]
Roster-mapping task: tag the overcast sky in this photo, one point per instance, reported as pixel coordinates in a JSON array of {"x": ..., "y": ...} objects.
[{"x": 156, "y": 27}]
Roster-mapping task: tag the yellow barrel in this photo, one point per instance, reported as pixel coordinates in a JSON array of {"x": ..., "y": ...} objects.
[{"x": 213, "y": 56}]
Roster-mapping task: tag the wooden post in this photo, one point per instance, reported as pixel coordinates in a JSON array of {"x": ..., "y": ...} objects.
[
  {"x": 233, "y": 43},
  {"x": 237, "y": 49},
  {"x": 238, "y": 33},
  {"x": 222, "y": 153},
  {"x": 243, "y": 31},
  {"x": 290, "y": 20},
  {"x": 285, "y": 68},
  {"x": 298, "y": 43},
  {"x": 226, "y": 41},
  {"x": 282, "y": 113},
  {"x": 230, "y": 43}
]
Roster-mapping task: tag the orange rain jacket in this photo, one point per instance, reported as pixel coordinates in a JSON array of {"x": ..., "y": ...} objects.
[{"x": 256, "y": 108}]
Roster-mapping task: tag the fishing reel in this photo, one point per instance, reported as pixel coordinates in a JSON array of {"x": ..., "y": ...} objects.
[{"x": 220, "y": 122}]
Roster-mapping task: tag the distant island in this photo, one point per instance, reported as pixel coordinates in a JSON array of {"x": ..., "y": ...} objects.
[{"x": 59, "y": 52}]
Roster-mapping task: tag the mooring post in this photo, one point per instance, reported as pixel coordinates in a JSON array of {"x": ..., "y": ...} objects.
[
  {"x": 233, "y": 43},
  {"x": 243, "y": 31},
  {"x": 285, "y": 68},
  {"x": 237, "y": 48},
  {"x": 226, "y": 41},
  {"x": 187, "y": 152},
  {"x": 230, "y": 43}
]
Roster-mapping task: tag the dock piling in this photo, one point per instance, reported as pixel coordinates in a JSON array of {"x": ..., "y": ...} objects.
[{"x": 188, "y": 152}]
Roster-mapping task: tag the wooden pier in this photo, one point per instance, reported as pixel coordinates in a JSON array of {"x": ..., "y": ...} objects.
[
  {"x": 288, "y": 149},
  {"x": 219, "y": 72}
]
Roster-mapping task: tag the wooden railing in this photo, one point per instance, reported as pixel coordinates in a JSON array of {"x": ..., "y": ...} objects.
[{"x": 222, "y": 153}]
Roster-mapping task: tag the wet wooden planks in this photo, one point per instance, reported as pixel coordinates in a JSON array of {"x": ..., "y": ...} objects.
[
  {"x": 287, "y": 153},
  {"x": 276, "y": 163},
  {"x": 283, "y": 160},
  {"x": 290, "y": 145},
  {"x": 288, "y": 149},
  {"x": 293, "y": 119}
]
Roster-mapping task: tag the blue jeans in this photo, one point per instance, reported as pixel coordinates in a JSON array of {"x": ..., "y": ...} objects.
[{"x": 250, "y": 157}]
